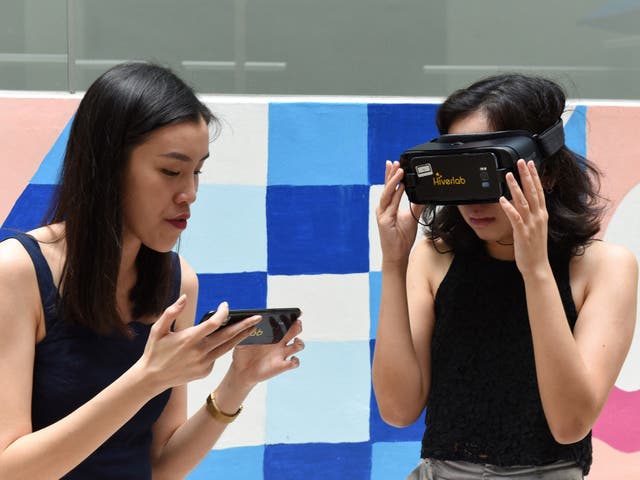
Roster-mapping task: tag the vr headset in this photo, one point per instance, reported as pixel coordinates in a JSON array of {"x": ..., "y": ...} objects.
[{"x": 462, "y": 169}]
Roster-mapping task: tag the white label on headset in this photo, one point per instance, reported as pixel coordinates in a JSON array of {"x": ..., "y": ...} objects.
[{"x": 424, "y": 170}]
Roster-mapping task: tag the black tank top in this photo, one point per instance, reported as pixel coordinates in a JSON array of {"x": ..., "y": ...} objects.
[
  {"x": 72, "y": 364},
  {"x": 484, "y": 405}
]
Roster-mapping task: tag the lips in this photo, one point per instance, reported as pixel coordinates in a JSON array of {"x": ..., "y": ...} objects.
[
  {"x": 481, "y": 221},
  {"x": 179, "y": 222}
]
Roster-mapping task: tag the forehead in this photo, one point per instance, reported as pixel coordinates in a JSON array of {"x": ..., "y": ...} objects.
[
  {"x": 474, "y": 122},
  {"x": 187, "y": 132}
]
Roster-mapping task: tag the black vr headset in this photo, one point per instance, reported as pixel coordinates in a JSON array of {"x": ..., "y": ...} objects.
[{"x": 462, "y": 169}]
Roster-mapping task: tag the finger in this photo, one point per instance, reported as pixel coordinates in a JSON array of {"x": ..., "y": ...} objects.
[
  {"x": 222, "y": 335},
  {"x": 387, "y": 170},
  {"x": 390, "y": 169},
  {"x": 163, "y": 325},
  {"x": 212, "y": 323},
  {"x": 292, "y": 363},
  {"x": 394, "y": 205},
  {"x": 538, "y": 183},
  {"x": 390, "y": 187},
  {"x": 217, "y": 349},
  {"x": 294, "y": 347},
  {"x": 528, "y": 185},
  {"x": 512, "y": 214},
  {"x": 519, "y": 201},
  {"x": 294, "y": 331}
]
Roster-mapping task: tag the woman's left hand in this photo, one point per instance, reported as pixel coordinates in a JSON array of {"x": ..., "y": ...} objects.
[
  {"x": 256, "y": 363},
  {"x": 527, "y": 213}
]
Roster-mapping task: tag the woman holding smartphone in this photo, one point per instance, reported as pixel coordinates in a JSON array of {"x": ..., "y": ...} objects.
[
  {"x": 97, "y": 313},
  {"x": 503, "y": 321}
]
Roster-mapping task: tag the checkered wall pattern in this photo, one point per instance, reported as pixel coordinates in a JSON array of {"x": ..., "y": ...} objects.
[{"x": 285, "y": 216}]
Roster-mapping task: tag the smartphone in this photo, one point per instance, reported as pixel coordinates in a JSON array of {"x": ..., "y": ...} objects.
[{"x": 271, "y": 329}]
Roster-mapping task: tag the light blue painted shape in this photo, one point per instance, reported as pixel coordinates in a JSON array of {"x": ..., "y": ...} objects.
[
  {"x": 317, "y": 144},
  {"x": 240, "y": 463},
  {"x": 227, "y": 231},
  {"x": 394, "y": 459},
  {"x": 375, "y": 286},
  {"x": 49, "y": 169},
  {"x": 326, "y": 399},
  {"x": 575, "y": 134}
]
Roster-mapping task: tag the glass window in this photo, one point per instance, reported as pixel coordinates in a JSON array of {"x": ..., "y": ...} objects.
[{"x": 330, "y": 47}]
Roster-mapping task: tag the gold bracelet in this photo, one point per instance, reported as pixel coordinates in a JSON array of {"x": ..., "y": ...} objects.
[{"x": 218, "y": 414}]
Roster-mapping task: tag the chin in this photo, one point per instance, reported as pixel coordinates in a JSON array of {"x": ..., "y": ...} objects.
[{"x": 161, "y": 246}]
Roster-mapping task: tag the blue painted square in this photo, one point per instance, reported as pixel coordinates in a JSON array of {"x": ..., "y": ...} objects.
[
  {"x": 575, "y": 131},
  {"x": 317, "y": 144},
  {"x": 394, "y": 460},
  {"x": 393, "y": 128},
  {"x": 241, "y": 290},
  {"x": 380, "y": 431},
  {"x": 375, "y": 286},
  {"x": 49, "y": 170},
  {"x": 227, "y": 230},
  {"x": 326, "y": 397},
  {"x": 318, "y": 461},
  {"x": 29, "y": 210},
  {"x": 317, "y": 229},
  {"x": 231, "y": 464}
]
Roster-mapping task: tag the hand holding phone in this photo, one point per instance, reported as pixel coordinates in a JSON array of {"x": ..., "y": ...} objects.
[{"x": 272, "y": 327}]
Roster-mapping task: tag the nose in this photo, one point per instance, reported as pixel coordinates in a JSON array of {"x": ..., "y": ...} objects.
[{"x": 188, "y": 192}]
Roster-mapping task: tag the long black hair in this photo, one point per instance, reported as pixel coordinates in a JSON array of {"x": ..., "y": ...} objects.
[
  {"x": 117, "y": 113},
  {"x": 571, "y": 182}
]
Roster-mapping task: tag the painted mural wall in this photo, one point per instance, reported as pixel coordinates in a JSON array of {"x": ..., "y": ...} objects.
[{"x": 285, "y": 216}]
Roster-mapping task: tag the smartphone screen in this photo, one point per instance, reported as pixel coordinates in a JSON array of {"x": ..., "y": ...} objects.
[{"x": 271, "y": 329}]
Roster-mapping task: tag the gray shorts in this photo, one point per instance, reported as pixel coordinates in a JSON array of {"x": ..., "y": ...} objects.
[{"x": 429, "y": 469}]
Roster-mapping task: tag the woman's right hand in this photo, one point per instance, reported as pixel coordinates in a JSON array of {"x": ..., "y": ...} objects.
[
  {"x": 176, "y": 358},
  {"x": 397, "y": 227}
]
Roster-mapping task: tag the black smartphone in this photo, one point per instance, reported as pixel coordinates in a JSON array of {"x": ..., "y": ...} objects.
[{"x": 271, "y": 329}]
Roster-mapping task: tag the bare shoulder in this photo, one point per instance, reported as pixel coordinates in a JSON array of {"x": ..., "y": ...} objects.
[
  {"x": 16, "y": 266},
  {"x": 601, "y": 257},
  {"x": 189, "y": 278},
  {"x": 430, "y": 260},
  {"x": 604, "y": 268},
  {"x": 188, "y": 286},
  {"x": 19, "y": 292}
]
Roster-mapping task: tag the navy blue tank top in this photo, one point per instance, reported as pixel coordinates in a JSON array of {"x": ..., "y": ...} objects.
[
  {"x": 484, "y": 404},
  {"x": 73, "y": 364}
]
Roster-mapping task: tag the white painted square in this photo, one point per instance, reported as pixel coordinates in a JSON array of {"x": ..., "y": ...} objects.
[
  {"x": 334, "y": 307},
  {"x": 239, "y": 155}
]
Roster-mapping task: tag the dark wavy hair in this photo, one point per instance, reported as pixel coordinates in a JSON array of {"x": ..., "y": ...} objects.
[
  {"x": 117, "y": 113},
  {"x": 571, "y": 182}
]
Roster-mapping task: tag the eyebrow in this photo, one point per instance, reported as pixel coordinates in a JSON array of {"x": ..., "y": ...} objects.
[{"x": 181, "y": 156}]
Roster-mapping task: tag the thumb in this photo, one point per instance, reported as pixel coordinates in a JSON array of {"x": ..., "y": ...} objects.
[{"x": 165, "y": 323}]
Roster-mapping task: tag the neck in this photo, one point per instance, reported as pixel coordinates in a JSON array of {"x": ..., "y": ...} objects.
[{"x": 502, "y": 250}]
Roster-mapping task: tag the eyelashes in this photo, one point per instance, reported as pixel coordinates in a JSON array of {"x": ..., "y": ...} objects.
[{"x": 173, "y": 173}]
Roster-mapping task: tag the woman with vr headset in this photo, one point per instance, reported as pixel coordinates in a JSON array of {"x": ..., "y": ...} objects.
[
  {"x": 503, "y": 320},
  {"x": 97, "y": 312}
]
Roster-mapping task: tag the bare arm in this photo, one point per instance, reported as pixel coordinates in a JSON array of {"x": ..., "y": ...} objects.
[
  {"x": 402, "y": 358},
  {"x": 577, "y": 371},
  {"x": 401, "y": 370}
]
